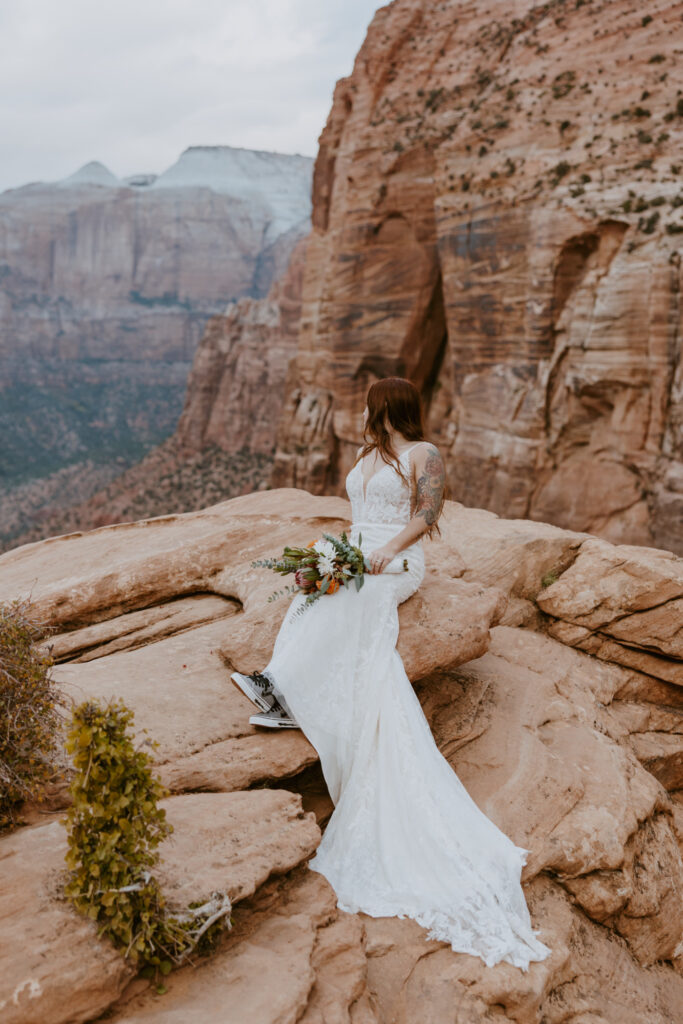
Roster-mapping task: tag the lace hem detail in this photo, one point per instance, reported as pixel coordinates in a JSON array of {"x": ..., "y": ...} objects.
[{"x": 509, "y": 938}]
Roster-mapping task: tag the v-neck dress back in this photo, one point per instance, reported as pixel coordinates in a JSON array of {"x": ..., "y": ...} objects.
[{"x": 405, "y": 837}]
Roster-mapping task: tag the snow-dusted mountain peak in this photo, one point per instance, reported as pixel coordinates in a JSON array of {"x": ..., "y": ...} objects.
[
  {"x": 281, "y": 180},
  {"x": 274, "y": 187},
  {"x": 92, "y": 173}
]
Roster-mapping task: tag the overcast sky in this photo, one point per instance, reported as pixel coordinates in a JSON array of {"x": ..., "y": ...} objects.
[{"x": 133, "y": 83}]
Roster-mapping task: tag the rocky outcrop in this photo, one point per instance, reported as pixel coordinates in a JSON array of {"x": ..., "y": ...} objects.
[
  {"x": 75, "y": 978},
  {"x": 106, "y": 286},
  {"x": 519, "y": 644},
  {"x": 497, "y": 215}
]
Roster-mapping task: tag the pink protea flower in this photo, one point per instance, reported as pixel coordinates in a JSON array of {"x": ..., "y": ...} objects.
[{"x": 303, "y": 580}]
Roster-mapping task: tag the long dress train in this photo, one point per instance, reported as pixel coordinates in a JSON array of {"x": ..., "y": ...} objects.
[{"x": 405, "y": 838}]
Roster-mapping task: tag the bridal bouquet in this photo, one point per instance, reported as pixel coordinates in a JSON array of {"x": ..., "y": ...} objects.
[{"x": 322, "y": 567}]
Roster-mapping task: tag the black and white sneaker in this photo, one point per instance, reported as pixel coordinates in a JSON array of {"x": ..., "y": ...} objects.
[
  {"x": 257, "y": 687},
  {"x": 275, "y": 718}
]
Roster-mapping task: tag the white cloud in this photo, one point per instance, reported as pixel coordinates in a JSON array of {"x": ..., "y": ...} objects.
[{"x": 133, "y": 84}]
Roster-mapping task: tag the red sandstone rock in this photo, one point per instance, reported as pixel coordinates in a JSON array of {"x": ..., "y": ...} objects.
[
  {"x": 494, "y": 199},
  {"x": 235, "y": 389},
  {"x": 576, "y": 757}
]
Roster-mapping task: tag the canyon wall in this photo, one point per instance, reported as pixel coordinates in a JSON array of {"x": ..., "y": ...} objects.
[
  {"x": 498, "y": 215},
  {"x": 224, "y": 442},
  {"x": 106, "y": 287},
  {"x": 236, "y": 387}
]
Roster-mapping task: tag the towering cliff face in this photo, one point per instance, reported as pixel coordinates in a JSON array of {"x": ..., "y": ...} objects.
[{"x": 498, "y": 216}]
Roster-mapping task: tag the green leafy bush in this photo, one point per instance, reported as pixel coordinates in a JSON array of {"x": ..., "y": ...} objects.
[
  {"x": 114, "y": 827},
  {"x": 30, "y": 720}
]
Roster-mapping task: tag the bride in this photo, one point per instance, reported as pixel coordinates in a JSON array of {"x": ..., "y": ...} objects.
[{"x": 405, "y": 838}]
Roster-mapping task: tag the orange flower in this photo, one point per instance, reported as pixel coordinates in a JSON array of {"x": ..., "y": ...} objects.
[
  {"x": 334, "y": 585},
  {"x": 312, "y": 543}
]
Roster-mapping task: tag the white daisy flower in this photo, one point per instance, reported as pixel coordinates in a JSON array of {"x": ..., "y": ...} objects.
[
  {"x": 326, "y": 556},
  {"x": 325, "y": 565}
]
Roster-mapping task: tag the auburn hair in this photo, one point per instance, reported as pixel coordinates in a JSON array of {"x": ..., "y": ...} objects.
[{"x": 400, "y": 400}]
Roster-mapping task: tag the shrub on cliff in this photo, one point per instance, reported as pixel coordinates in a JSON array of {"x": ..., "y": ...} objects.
[
  {"x": 30, "y": 720},
  {"x": 114, "y": 827}
]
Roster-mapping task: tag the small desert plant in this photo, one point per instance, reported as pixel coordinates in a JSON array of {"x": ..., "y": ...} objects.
[
  {"x": 114, "y": 826},
  {"x": 30, "y": 720},
  {"x": 558, "y": 171},
  {"x": 648, "y": 224},
  {"x": 563, "y": 83}
]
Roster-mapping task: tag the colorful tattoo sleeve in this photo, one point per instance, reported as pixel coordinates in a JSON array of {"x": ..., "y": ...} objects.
[{"x": 430, "y": 487}]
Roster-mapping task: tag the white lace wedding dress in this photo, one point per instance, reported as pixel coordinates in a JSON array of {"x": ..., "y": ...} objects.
[{"x": 405, "y": 837}]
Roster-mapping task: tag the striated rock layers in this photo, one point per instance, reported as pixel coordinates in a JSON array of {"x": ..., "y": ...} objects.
[
  {"x": 498, "y": 215},
  {"x": 549, "y": 664},
  {"x": 105, "y": 289},
  {"x": 236, "y": 388},
  {"x": 225, "y": 440}
]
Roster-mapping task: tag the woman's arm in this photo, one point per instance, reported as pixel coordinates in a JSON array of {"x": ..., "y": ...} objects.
[{"x": 431, "y": 480}]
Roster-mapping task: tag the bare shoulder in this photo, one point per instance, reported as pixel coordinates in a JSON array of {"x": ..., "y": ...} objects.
[{"x": 427, "y": 458}]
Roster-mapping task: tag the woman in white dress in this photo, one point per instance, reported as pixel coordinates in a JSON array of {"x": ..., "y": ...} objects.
[{"x": 405, "y": 838}]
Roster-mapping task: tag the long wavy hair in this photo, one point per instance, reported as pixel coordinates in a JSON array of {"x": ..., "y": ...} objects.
[{"x": 400, "y": 400}]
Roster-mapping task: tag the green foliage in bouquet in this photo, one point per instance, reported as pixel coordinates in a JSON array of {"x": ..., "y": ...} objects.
[
  {"x": 30, "y": 721},
  {"x": 350, "y": 566},
  {"x": 114, "y": 826}
]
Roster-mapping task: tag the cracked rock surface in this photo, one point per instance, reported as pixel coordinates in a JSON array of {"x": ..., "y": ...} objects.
[{"x": 575, "y": 755}]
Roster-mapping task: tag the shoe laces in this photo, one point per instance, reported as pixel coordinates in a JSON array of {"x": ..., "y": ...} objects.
[
  {"x": 278, "y": 709},
  {"x": 261, "y": 682}
]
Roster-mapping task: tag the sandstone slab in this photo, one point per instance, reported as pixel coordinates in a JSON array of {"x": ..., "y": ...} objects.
[
  {"x": 622, "y": 603},
  {"x": 229, "y": 842},
  {"x": 232, "y": 842},
  {"x": 136, "y": 629},
  {"x": 532, "y": 711},
  {"x": 180, "y": 691},
  {"x": 54, "y": 968},
  {"x": 264, "y": 972},
  {"x": 83, "y": 578}
]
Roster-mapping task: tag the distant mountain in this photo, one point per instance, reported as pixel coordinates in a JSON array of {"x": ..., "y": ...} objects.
[{"x": 106, "y": 285}]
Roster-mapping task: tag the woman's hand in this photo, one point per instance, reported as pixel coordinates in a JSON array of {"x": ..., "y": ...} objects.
[{"x": 381, "y": 557}]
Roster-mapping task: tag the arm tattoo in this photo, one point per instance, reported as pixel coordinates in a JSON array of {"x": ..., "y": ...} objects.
[{"x": 430, "y": 487}]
